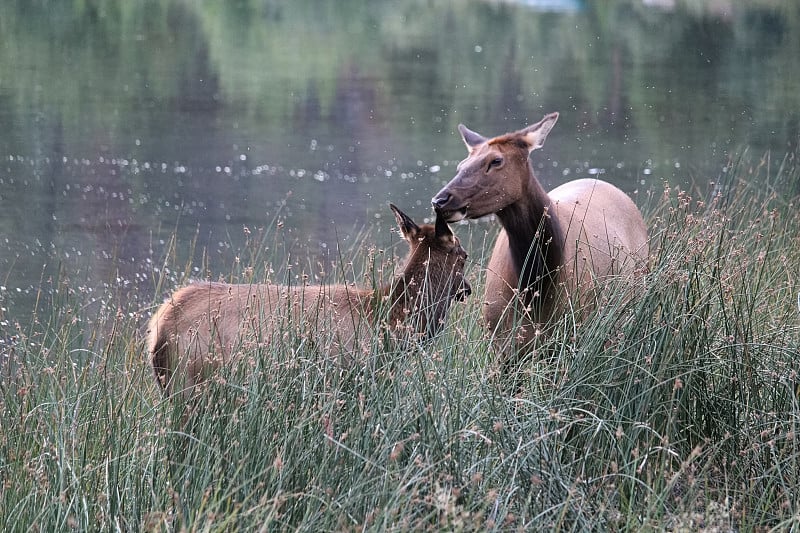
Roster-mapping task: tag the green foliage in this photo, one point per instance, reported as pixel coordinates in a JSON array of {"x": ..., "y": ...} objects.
[
  {"x": 674, "y": 404},
  {"x": 271, "y": 67}
]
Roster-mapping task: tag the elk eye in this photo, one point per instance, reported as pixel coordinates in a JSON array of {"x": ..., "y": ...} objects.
[{"x": 494, "y": 163}]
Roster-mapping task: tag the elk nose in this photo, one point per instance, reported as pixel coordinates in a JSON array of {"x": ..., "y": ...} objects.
[{"x": 440, "y": 200}]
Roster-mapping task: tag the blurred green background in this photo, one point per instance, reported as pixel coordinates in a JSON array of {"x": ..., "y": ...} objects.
[{"x": 126, "y": 122}]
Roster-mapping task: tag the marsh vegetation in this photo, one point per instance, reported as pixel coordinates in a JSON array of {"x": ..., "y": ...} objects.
[{"x": 680, "y": 408}]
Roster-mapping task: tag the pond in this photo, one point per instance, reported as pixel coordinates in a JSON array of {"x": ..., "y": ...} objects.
[{"x": 128, "y": 123}]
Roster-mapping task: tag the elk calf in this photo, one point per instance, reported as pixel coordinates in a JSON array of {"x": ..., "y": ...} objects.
[{"x": 204, "y": 325}]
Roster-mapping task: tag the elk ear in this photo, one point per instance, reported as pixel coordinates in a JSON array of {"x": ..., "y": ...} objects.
[
  {"x": 408, "y": 227},
  {"x": 470, "y": 138},
  {"x": 535, "y": 134},
  {"x": 443, "y": 231}
]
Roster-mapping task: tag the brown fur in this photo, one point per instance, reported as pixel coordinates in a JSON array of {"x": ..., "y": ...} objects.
[
  {"x": 207, "y": 324},
  {"x": 552, "y": 246}
]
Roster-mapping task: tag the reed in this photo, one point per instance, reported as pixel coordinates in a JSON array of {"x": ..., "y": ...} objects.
[{"x": 678, "y": 408}]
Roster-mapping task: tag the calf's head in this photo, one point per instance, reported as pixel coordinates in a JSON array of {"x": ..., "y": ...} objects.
[{"x": 436, "y": 259}]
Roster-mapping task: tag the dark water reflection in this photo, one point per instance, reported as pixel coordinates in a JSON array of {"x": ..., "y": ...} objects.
[{"x": 126, "y": 122}]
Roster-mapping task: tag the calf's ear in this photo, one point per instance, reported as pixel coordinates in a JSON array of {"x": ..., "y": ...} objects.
[
  {"x": 408, "y": 227},
  {"x": 443, "y": 231}
]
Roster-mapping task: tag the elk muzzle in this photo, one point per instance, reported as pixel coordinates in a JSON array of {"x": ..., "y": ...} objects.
[{"x": 447, "y": 205}]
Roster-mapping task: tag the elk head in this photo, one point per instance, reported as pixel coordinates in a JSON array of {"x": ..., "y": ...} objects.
[
  {"x": 494, "y": 175},
  {"x": 436, "y": 255}
]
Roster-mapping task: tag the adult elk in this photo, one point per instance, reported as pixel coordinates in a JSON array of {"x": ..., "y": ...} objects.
[
  {"x": 204, "y": 325},
  {"x": 552, "y": 246}
]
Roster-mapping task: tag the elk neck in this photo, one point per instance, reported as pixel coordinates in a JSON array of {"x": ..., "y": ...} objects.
[
  {"x": 406, "y": 293},
  {"x": 535, "y": 239},
  {"x": 400, "y": 294}
]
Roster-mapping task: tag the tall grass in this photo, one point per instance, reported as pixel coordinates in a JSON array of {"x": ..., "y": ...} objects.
[{"x": 672, "y": 405}]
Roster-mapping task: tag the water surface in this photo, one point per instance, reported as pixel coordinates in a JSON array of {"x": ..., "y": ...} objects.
[{"x": 125, "y": 123}]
